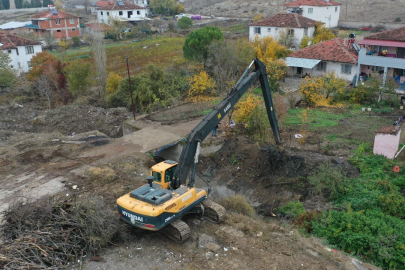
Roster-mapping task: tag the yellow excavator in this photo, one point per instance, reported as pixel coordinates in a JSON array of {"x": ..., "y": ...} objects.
[{"x": 160, "y": 204}]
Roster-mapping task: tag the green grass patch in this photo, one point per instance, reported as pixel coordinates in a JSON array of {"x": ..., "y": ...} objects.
[
  {"x": 370, "y": 224},
  {"x": 160, "y": 51},
  {"x": 316, "y": 118}
]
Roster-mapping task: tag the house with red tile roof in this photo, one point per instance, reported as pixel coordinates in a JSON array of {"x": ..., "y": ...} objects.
[
  {"x": 121, "y": 11},
  {"x": 383, "y": 55},
  {"x": 290, "y": 26},
  {"x": 326, "y": 11},
  {"x": 335, "y": 55},
  {"x": 20, "y": 50},
  {"x": 59, "y": 23}
]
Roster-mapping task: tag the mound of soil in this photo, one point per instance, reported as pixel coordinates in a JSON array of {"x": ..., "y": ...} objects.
[
  {"x": 65, "y": 120},
  {"x": 269, "y": 176}
]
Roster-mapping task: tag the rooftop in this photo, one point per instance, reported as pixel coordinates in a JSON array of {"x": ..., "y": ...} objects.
[
  {"x": 316, "y": 3},
  {"x": 48, "y": 15},
  {"x": 333, "y": 50},
  {"x": 117, "y": 6},
  {"x": 10, "y": 41},
  {"x": 290, "y": 20},
  {"x": 397, "y": 34},
  {"x": 13, "y": 25}
]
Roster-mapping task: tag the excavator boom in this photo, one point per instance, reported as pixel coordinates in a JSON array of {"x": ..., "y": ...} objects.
[{"x": 203, "y": 129}]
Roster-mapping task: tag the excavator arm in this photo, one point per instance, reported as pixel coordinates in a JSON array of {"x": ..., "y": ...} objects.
[{"x": 203, "y": 129}]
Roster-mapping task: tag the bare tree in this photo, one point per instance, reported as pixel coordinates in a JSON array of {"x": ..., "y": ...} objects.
[
  {"x": 100, "y": 60},
  {"x": 49, "y": 39},
  {"x": 159, "y": 24},
  {"x": 44, "y": 87}
]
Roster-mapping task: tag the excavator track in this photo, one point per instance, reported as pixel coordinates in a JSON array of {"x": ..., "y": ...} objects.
[
  {"x": 178, "y": 231},
  {"x": 213, "y": 212}
]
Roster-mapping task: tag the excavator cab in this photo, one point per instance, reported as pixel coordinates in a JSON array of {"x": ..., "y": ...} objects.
[{"x": 163, "y": 173}]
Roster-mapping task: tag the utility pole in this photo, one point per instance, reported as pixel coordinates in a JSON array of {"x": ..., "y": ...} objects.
[
  {"x": 130, "y": 89},
  {"x": 346, "y": 10}
]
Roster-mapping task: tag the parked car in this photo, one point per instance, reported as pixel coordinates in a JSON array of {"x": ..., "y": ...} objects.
[
  {"x": 179, "y": 16},
  {"x": 196, "y": 17}
]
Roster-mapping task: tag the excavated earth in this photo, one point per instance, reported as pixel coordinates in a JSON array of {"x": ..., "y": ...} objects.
[{"x": 49, "y": 152}]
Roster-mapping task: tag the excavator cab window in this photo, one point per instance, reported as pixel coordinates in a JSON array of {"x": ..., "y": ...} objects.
[
  {"x": 157, "y": 177},
  {"x": 170, "y": 173}
]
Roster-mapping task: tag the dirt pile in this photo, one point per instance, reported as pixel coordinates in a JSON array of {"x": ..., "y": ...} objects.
[
  {"x": 66, "y": 120},
  {"x": 269, "y": 176}
]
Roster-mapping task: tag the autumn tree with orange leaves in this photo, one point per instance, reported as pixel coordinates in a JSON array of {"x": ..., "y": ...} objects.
[{"x": 45, "y": 67}]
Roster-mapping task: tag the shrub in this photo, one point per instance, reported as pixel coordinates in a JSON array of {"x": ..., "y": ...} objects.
[
  {"x": 76, "y": 41},
  {"x": 292, "y": 209},
  {"x": 201, "y": 87},
  {"x": 184, "y": 23},
  {"x": 327, "y": 181},
  {"x": 397, "y": 19},
  {"x": 113, "y": 81},
  {"x": 238, "y": 204},
  {"x": 78, "y": 74}
]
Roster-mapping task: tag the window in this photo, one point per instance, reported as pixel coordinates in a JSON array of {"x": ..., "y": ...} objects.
[
  {"x": 138, "y": 12},
  {"x": 346, "y": 69},
  {"x": 17, "y": 51},
  {"x": 269, "y": 30},
  {"x": 258, "y": 30},
  {"x": 57, "y": 21},
  {"x": 9, "y": 51},
  {"x": 336, "y": 8},
  {"x": 310, "y": 10},
  {"x": 19, "y": 65},
  {"x": 57, "y": 30},
  {"x": 170, "y": 173},
  {"x": 276, "y": 29},
  {"x": 101, "y": 13},
  {"x": 108, "y": 13},
  {"x": 29, "y": 64},
  {"x": 72, "y": 21},
  {"x": 120, "y": 13},
  {"x": 321, "y": 66},
  {"x": 305, "y": 32},
  {"x": 157, "y": 177},
  {"x": 290, "y": 32},
  {"x": 73, "y": 29},
  {"x": 29, "y": 49}
]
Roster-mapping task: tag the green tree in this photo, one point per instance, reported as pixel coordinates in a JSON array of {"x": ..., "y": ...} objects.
[
  {"x": 184, "y": 23},
  {"x": 197, "y": 42},
  {"x": 6, "y": 4},
  {"x": 321, "y": 34},
  {"x": 7, "y": 74},
  {"x": 26, "y": 4},
  {"x": 77, "y": 73}
]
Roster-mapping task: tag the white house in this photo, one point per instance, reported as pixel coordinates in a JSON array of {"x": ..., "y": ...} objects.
[
  {"x": 291, "y": 25},
  {"x": 122, "y": 11},
  {"x": 20, "y": 50},
  {"x": 326, "y": 11},
  {"x": 335, "y": 55},
  {"x": 142, "y": 3}
]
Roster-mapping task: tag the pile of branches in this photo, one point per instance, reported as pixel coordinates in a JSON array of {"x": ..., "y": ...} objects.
[{"x": 54, "y": 232}]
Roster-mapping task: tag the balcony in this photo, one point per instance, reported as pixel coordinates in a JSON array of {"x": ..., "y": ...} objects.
[
  {"x": 380, "y": 61},
  {"x": 35, "y": 26}
]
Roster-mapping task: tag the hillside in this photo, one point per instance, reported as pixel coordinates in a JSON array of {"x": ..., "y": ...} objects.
[{"x": 359, "y": 10}]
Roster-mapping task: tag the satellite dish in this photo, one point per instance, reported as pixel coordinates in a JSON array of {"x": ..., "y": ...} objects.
[{"x": 309, "y": 43}]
